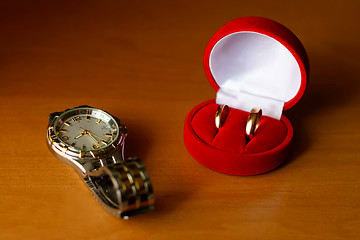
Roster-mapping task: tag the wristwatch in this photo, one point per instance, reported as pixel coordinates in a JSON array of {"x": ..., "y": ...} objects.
[{"x": 92, "y": 142}]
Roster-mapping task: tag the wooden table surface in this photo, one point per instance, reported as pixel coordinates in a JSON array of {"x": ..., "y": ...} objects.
[{"x": 142, "y": 62}]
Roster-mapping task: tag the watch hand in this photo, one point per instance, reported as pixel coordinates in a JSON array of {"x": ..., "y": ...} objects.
[
  {"x": 90, "y": 133},
  {"x": 80, "y": 135},
  {"x": 98, "y": 137}
]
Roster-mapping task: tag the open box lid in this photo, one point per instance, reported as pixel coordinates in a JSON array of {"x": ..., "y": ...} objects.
[{"x": 256, "y": 62}]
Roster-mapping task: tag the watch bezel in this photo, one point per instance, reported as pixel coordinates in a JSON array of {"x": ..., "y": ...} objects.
[
  {"x": 78, "y": 157},
  {"x": 93, "y": 112}
]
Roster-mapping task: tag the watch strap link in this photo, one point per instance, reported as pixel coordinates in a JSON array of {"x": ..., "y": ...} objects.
[{"x": 122, "y": 188}]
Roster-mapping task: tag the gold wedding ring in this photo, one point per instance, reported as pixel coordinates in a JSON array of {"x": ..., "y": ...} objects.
[
  {"x": 221, "y": 115},
  {"x": 253, "y": 122}
]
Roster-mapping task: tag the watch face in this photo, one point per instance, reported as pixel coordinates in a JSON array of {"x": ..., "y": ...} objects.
[{"x": 86, "y": 129}]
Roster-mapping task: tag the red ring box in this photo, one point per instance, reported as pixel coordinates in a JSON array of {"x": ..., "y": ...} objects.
[{"x": 250, "y": 62}]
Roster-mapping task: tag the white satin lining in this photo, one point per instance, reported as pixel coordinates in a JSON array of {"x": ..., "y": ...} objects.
[
  {"x": 254, "y": 70},
  {"x": 244, "y": 101}
]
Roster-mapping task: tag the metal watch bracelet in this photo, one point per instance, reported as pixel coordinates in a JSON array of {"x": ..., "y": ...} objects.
[{"x": 123, "y": 188}]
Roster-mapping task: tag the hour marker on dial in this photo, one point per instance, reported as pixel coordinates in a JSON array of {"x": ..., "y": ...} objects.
[
  {"x": 76, "y": 119},
  {"x": 98, "y": 121},
  {"x": 88, "y": 118},
  {"x": 63, "y": 130},
  {"x": 108, "y": 134},
  {"x": 104, "y": 142},
  {"x": 67, "y": 123},
  {"x": 95, "y": 146},
  {"x": 65, "y": 138},
  {"x": 73, "y": 144}
]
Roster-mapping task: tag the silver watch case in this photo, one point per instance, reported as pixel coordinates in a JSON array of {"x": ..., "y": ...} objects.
[
  {"x": 85, "y": 162},
  {"x": 122, "y": 188}
]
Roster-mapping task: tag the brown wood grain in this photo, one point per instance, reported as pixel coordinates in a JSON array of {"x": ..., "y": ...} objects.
[{"x": 142, "y": 62}]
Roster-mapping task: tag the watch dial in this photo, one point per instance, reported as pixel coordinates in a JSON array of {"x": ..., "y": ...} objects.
[{"x": 86, "y": 129}]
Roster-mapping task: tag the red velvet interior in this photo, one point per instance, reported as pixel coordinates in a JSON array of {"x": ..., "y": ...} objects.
[{"x": 231, "y": 137}]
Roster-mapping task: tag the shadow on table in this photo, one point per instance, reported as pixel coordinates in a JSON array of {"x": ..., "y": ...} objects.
[
  {"x": 138, "y": 142},
  {"x": 332, "y": 85}
]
